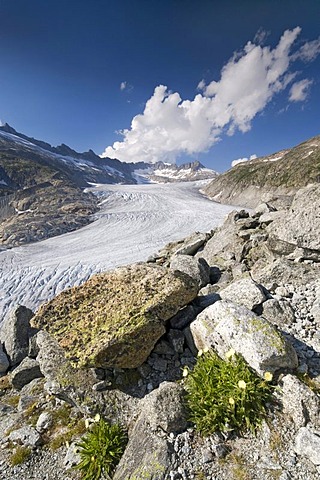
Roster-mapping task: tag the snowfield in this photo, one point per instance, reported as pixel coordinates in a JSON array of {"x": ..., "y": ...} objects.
[{"x": 134, "y": 222}]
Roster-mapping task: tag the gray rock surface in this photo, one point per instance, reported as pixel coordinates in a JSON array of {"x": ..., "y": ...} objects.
[
  {"x": 197, "y": 269},
  {"x": 244, "y": 291},
  {"x": 226, "y": 325},
  {"x": 308, "y": 444},
  {"x": 4, "y": 361},
  {"x": 300, "y": 402},
  {"x": 278, "y": 312},
  {"x": 15, "y": 333},
  {"x": 27, "y": 436},
  {"x": 28, "y": 370}
]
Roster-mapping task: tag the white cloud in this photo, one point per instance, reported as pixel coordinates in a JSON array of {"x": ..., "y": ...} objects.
[
  {"x": 244, "y": 159},
  {"x": 126, "y": 86},
  {"x": 299, "y": 90},
  {"x": 309, "y": 51},
  {"x": 123, "y": 85},
  {"x": 170, "y": 126}
]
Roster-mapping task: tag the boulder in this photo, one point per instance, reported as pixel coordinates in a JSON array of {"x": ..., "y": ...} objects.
[
  {"x": 197, "y": 269},
  {"x": 27, "y": 371},
  {"x": 308, "y": 444},
  {"x": 244, "y": 291},
  {"x": 299, "y": 402},
  {"x": 27, "y": 436},
  {"x": 300, "y": 226},
  {"x": 148, "y": 452},
  {"x": 115, "y": 318},
  {"x": 15, "y": 333},
  {"x": 226, "y": 325},
  {"x": 278, "y": 312}
]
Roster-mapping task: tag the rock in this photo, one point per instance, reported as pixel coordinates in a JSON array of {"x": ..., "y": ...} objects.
[
  {"x": 278, "y": 312},
  {"x": 225, "y": 325},
  {"x": 50, "y": 356},
  {"x": 15, "y": 333},
  {"x": 183, "y": 317},
  {"x": 4, "y": 361},
  {"x": 308, "y": 444},
  {"x": 245, "y": 292},
  {"x": 300, "y": 226},
  {"x": 148, "y": 453},
  {"x": 197, "y": 269},
  {"x": 192, "y": 244},
  {"x": 264, "y": 208},
  {"x": 28, "y": 370},
  {"x": 44, "y": 422},
  {"x": 203, "y": 301},
  {"x": 300, "y": 402},
  {"x": 72, "y": 457},
  {"x": 271, "y": 216},
  {"x": 176, "y": 338},
  {"x": 27, "y": 436},
  {"x": 115, "y": 318}
]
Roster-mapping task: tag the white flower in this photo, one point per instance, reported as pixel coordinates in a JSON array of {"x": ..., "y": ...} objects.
[
  {"x": 268, "y": 376},
  {"x": 242, "y": 384},
  {"x": 200, "y": 353},
  {"x": 230, "y": 353},
  {"x": 185, "y": 372},
  {"x": 231, "y": 401},
  {"x": 97, "y": 418}
]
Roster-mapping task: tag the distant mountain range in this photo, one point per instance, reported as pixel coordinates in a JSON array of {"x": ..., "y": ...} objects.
[
  {"x": 83, "y": 168},
  {"x": 280, "y": 174}
]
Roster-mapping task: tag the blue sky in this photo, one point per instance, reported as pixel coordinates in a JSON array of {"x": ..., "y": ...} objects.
[{"x": 179, "y": 78}]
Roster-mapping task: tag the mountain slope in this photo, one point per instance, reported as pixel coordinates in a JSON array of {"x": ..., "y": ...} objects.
[{"x": 282, "y": 173}]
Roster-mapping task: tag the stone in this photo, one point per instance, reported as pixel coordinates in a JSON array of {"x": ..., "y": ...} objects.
[
  {"x": 308, "y": 444},
  {"x": 226, "y": 325},
  {"x": 299, "y": 402},
  {"x": 278, "y": 312},
  {"x": 203, "y": 301},
  {"x": 197, "y": 269},
  {"x": 264, "y": 208},
  {"x": 184, "y": 317},
  {"x": 28, "y": 370},
  {"x": 15, "y": 333},
  {"x": 27, "y": 436},
  {"x": 148, "y": 452},
  {"x": 176, "y": 338},
  {"x": 44, "y": 422},
  {"x": 72, "y": 457},
  {"x": 300, "y": 226},
  {"x": 192, "y": 244},
  {"x": 269, "y": 217},
  {"x": 244, "y": 291},
  {"x": 4, "y": 361},
  {"x": 115, "y": 318}
]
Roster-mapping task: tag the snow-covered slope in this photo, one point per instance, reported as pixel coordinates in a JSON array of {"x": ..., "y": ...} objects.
[
  {"x": 167, "y": 173},
  {"x": 134, "y": 222}
]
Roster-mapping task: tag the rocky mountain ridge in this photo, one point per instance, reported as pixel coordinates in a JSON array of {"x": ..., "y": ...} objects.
[
  {"x": 269, "y": 177},
  {"x": 251, "y": 285}
]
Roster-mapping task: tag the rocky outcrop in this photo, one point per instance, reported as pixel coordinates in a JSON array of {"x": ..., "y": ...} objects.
[{"x": 115, "y": 319}]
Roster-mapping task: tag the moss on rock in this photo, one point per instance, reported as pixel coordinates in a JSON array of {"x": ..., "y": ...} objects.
[{"x": 115, "y": 318}]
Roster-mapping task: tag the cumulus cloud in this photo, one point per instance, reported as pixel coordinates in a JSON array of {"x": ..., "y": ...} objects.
[
  {"x": 170, "y": 126},
  {"x": 299, "y": 90},
  {"x": 244, "y": 159},
  {"x": 309, "y": 51}
]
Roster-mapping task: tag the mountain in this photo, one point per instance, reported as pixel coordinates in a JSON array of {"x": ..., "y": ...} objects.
[
  {"x": 161, "y": 172},
  {"x": 281, "y": 173}
]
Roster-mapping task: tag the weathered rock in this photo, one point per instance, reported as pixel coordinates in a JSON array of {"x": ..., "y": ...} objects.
[
  {"x": 197, "y": 269},
  {"x": 4, "y": 361},
  {"x": 244, "y": 291},
  {"x": 192, "y": 244},
  {"x": 27, "y": 436},
  {"x": 225, "y": 325},
  {"x": 115, "y": 318},
  {"x": 185, "y": 316},
  {"x": 148, "y": 454},
  {"x": 271, "y": 216},
  {"x": 264, "y": 208},
  {"x": 15, "y": 333},
  {"x": 301, "y": 225},
  {"x": 278, "y": 312},
  {"x": 300, "y": 402},
  {"x": 308, "y": 444},
  {"x": 28, "y": 370},
  {"x": 44, "y": 422}
]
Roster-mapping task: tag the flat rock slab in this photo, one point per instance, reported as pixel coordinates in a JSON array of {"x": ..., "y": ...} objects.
[
  {"x": 244, "y": 292},
  {"x": 115, "y": 318},
  {"x": 226, "y": 325}
]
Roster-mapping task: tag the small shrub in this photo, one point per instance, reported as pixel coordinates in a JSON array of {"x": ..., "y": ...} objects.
[
  {"x": 225, "y": 394},
  {"x": 100, "y": 450},
  {"x": 20, "y": 455}
]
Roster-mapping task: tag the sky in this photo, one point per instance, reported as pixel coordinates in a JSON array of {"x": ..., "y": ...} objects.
[{"x": 171, "y": 80}]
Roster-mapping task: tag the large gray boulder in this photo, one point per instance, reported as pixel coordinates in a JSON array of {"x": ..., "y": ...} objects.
[
  {"x": 4, "y": 361},
  {"x": 226, "y": 325},
  {"x": 148, "y": 452},
  {"x": 244, "y": 291},
  {"x": 301, "y": 225},
  {"x": 196, "y": 268},
  {"x": 115, "y": 318},
  {"x": 15, "y": 333},
  {"x": 27, "y": 371},
  {"x": 27, "y": 436},
  {"x": 308, "y": 444}
]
